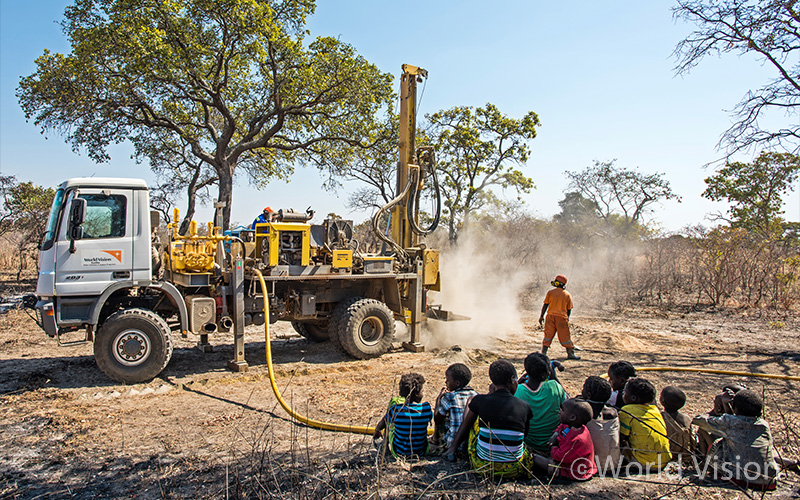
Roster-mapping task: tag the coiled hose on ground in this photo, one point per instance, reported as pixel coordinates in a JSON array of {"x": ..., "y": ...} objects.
[{"x": 358, "y": 429}]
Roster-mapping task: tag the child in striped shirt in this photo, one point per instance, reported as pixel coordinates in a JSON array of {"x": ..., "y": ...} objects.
[
  {"x": 451, "y": 403},
  {"x": 407, "y": 419},
  {"x": 496, "y": 424}
]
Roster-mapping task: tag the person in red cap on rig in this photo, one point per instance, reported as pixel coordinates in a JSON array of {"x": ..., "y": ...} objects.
[
  {"x": 559, "y": 302},
  {"x": 265, "y": 216}
]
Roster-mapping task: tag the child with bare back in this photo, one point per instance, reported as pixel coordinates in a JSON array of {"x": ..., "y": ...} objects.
[{"x": 681, "y": 442}]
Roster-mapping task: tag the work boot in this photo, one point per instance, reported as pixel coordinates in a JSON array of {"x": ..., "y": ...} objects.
[
  {"x": 571, "y": 354},
  {"x": 544, "y": 350}
]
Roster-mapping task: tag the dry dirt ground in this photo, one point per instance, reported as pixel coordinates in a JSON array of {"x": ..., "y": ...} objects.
[{"x": 200, "y": 431}]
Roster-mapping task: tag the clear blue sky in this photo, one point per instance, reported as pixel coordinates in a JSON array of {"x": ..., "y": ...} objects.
[{"x": 599, "y": 75}]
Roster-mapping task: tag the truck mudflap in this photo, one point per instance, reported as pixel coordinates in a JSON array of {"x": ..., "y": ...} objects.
[{"x": 47, "y": 314}]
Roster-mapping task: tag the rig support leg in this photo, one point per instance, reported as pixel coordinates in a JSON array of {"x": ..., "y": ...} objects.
[
  {"x": 238, "y": 363},
  {"x": 204, "y": 345},
  {"x": 417, "y": 295}
]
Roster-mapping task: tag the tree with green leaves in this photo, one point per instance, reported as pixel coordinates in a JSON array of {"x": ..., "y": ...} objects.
[
  {"x": 766, "y": 29},
  {"x": 23, "y": 216},
  {"x": 477, "y": 150},
  {"x": 235, "y": 82},
  {"x": 755, "y": 191},
  {"x": 621, "y": 196},
  {"x": 576, "y": 209}
]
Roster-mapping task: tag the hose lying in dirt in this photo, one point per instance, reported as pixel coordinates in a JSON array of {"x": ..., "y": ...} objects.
[
  {"x": 718, "y": 372},
  {"x": 354, "y": 429}
]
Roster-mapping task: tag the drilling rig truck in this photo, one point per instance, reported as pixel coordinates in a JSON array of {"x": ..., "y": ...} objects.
[{"x": 104, "y": 270}]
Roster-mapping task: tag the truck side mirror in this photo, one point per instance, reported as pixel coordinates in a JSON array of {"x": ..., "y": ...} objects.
[
  {"x": 77, "y": 212},
  {"x": 77, "y": 215}
]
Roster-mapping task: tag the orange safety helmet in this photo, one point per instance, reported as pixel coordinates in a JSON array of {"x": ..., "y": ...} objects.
[
  {"x": 560, "y": 280},
  {"x": 269, "y": 210}
]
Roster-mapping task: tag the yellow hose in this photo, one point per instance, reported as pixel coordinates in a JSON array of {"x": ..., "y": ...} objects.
[
  {"x": 354, "y": 429},
  {"x": 718, "y": 372}
]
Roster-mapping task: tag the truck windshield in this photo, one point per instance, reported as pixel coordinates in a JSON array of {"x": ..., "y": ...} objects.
[{"x": 50, "y": 232}]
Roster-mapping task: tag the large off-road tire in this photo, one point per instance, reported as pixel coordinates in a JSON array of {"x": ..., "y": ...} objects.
[
  {"x": 315, "y": 331},
  {"x": 338, "y": 320},
  {"x": 133, "y": 345},
  {"x": 368, "y": 330}
]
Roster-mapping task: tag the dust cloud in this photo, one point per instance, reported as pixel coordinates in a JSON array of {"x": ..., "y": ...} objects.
[
  {"x": 498, "y": 274},
  {"x": 475, "y": 284}
]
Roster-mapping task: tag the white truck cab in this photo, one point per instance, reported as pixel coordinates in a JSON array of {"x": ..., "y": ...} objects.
[
  {"x": 116, "y": 224},
  {"x": 96, "y": 256}
]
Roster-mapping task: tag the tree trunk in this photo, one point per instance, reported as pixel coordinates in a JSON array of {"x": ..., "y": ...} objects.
[
  {"x": 225, "y": 193},
  {"x": 451, "y": 230},
  {"x": 191, "y": 202}
]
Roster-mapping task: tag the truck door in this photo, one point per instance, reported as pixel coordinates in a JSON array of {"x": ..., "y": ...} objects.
[{"x": 104, "y": 255}]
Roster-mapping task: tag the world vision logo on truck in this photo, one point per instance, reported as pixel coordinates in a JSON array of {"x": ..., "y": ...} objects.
[{"x": 101, "y": 258}]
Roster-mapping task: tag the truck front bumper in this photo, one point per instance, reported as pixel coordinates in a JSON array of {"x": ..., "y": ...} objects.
[{"x": 47, "y": 313}]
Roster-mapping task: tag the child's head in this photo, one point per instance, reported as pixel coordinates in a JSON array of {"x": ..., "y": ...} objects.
[
  {"x": 457, "y": 376},
  {"x": 619, "y": 373},
  {"x": 575, "y": 412},
  {"x": 596, "y": 391},
  {"x": 733, "y": 388},
  {"x": 411, "y": 386},
  {"x": 747, "y": 404},
  {"x": 672, "y": 398},
  {"x": 502, "y": 373},
  {"x": 639, "y": 391},
  {"x": 537, "y": 366}
]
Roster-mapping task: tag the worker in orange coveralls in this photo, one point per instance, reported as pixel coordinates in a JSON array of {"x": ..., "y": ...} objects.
[{"x": 558, "y": 306}]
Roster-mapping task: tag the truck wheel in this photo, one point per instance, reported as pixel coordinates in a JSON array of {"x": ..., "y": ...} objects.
[
  {"x": 339, "y": 320},
  {"x": 318, "y": 332},
  {"x": 368, "y": 330},
  {"x": 133, "y": 345}
]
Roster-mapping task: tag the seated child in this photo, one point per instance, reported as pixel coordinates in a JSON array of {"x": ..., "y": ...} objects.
[
  {"x": 681, "y": 441},
  {"x": 618, "y": 375},
  {"x": 643, "y": 434},
  {"x": 722, "y": 405},
  {"x": 544, "y": 395},
  {"x": 451, "y": 403},
  {"x": 407, "y": 419},
  {"x": 496, "y": 424},
  {"x": 743, "y": 451},
  {"x": 573, "y": 452},
  {"x": 604, "y": 426}
]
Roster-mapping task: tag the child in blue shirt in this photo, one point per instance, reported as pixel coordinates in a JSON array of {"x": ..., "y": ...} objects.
[{"x": 407, "y": 419}]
